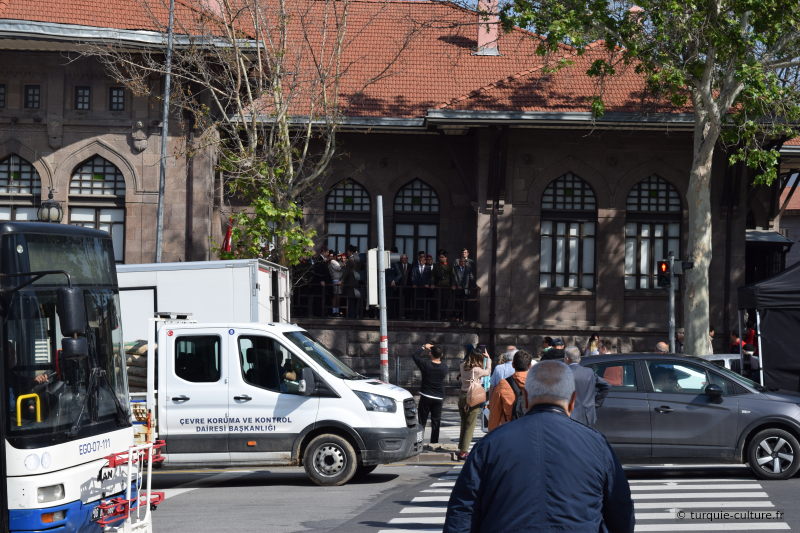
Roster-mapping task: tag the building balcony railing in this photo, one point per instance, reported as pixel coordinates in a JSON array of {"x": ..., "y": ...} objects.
[{"x": 403, "y": 303}]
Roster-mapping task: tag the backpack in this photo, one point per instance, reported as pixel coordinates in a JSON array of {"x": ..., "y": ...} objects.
[{"x": 518, "y": 410}]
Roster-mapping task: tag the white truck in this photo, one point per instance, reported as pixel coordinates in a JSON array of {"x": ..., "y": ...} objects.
[
  {"x": 242, "y": 290},
  {"x": 268, "y": 394}
]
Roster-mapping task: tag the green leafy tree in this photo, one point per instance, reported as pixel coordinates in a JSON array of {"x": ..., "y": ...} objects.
[{"x": 733, "y": 63}]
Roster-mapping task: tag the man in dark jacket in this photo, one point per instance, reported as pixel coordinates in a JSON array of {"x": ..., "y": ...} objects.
[
  {"x": 590, "y": 389},
  {"x": 542, "y": 472},
  {"x": 431, "y": 391}
]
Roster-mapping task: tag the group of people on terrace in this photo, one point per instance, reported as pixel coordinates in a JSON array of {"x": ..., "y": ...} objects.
[{"x": 334, "y": 283}]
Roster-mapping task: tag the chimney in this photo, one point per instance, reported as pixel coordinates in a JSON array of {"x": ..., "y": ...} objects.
[{"x": 488, "y": 28}]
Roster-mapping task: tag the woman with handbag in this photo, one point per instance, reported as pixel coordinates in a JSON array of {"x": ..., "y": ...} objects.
[{"x": 475, "y": 367}]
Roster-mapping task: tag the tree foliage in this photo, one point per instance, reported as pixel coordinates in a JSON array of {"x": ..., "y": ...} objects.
[{"x": 732, "y": 63}]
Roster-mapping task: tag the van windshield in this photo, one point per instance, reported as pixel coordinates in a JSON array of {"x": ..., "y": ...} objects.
[{"x": 322, "y": 356}]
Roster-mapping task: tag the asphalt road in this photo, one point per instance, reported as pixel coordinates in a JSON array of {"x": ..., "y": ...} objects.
[{"x": 412, "y": 496}]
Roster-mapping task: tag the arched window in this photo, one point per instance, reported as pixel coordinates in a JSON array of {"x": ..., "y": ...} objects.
[
  {"x": 652, "y": 230},
  {"x": 569, "y": 218},
  {"x": 347, "y": 209},
  {"x": 20, "y": 189},
  {"x": 97, "y": 200},
  {"x": 416, "y": 218}
]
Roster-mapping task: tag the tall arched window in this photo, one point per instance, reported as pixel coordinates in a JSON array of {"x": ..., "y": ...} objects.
[
  {"x": 20, "y": 189},
  {"x": 569, "y": 218},
  {"x": 416, "y": 218},
  {"x": 652, "y": 230},
  {"x": 347, "y": 208},
  {"x": 97, "y": 200}
]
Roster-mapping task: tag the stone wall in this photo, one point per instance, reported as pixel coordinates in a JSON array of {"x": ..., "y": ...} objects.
[{"x": 357, "y": 343}]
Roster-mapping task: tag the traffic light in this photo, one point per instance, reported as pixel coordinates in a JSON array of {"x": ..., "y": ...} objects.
[{"x": 663, "y": 275}]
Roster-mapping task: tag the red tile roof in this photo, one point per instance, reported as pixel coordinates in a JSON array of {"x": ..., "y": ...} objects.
[{"x": 400, "y": 58}]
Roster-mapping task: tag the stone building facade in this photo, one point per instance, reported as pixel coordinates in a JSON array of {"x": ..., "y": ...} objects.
[{"x": 565, "y": 214}]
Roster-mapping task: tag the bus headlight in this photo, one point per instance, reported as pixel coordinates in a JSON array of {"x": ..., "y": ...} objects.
[
  {"x": 32, "y": 462},
  {"x": 375, "y": 402},
  {"x": 50, "y": 494}
]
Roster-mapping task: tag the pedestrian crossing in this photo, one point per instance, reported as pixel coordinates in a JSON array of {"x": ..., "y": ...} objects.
[{"x": 660, "y": 505}]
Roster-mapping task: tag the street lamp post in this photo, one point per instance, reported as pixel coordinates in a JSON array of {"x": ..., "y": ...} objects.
[{"x": 50, "y": 210}]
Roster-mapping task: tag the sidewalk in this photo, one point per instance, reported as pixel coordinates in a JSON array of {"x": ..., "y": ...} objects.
[{"x": 448, "y": 435}]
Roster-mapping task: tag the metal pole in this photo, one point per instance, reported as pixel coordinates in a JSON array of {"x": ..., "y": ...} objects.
[
  {"x": 671, "y": 259},
  {"x": 760, "y": 350},
  {"x": 162, "y": 174},
  {"x": 382, "y": 294}
]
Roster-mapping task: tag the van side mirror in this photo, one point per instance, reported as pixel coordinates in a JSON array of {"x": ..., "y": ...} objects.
[
  {"x": 713, "y": 391},
  {"x": 71, "y": 308},
  {"x": 308, "y": 384}
]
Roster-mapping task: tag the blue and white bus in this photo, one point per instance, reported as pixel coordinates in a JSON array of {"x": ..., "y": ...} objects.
[{"x": 64, "y": 400}]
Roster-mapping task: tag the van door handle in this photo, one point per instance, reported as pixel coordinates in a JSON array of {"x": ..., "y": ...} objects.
[
  {"x": 664, "y": 409},
  {"x": 181, "y": 398},
  {"x": 242, "y": 398}
]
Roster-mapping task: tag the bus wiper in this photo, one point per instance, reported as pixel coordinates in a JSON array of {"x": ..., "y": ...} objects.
[{"x": 93, "y": 391}]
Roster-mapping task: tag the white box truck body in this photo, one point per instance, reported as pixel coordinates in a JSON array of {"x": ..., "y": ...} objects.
[
  {"x": 268, "y": 394},
  {"x": 242, "y": 290}
]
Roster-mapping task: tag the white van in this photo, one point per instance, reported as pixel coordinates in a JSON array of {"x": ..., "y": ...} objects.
[{"x": 268, "y": 394}]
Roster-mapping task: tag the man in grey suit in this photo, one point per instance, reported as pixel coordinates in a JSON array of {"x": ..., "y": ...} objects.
[{"x": 590, "y": 389}]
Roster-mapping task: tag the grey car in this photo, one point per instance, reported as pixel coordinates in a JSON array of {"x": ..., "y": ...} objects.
[{"x": 681, "y": 409}]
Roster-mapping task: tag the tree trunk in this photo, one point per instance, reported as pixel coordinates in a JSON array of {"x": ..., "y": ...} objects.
[{"x": 695, "y": 295}]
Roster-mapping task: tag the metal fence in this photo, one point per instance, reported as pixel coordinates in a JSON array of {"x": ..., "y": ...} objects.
[{"x": 403, "y": 303}]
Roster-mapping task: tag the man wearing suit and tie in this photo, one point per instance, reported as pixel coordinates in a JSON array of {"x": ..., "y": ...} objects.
[{"x": 590, "y": 389}]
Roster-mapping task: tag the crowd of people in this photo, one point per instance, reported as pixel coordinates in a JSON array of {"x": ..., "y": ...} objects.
[
  {"x": 333, "y": 283},
  {"x": 554, "y": 401}
]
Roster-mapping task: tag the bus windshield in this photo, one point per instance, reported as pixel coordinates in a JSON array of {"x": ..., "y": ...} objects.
[{"x": 50, "y": 398}]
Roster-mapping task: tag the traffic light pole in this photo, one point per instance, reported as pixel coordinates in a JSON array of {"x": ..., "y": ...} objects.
[{"x": 671, "y": 259}]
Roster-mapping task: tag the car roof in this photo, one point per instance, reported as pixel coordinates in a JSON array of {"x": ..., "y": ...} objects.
[{"x": 593, "y": 359}]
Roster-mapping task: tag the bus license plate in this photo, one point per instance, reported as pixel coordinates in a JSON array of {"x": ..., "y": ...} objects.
[{"x": 419, "y": 435}]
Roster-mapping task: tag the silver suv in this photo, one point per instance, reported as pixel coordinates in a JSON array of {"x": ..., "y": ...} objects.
[{"x": 681, "y": 409}]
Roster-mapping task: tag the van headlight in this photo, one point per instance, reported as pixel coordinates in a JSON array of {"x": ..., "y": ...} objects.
[{"x": 375, "y": 402}]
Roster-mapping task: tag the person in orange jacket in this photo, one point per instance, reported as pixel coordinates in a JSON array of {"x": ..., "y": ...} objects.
[{"x": 504, "y": 399}]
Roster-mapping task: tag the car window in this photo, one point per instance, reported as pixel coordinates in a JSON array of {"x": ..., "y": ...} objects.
[
  {"x": 620, "y": 375},
  {"x": 268, "y": 364},
  {"x": 728, "y": 387},
  {"x": 673, "y": 376}
]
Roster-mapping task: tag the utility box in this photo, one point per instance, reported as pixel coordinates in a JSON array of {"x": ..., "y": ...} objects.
[{"x": 242, "y": 290}]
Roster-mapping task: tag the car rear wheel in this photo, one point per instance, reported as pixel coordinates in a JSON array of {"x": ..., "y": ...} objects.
[
  {"x": 774, "y": 454},
  {"x": 330, "y": 460}
]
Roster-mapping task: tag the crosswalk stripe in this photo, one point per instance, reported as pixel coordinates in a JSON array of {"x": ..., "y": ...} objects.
[
  {"x": 715, "y": 526},
  {"x": 442, "y": 509},
  {"x": 427, "y": 520},
  {"x": 445, "y": 491},
  {"x": 698, "y": 487},
  {"x": 422, "y": 499},
  {"x": 700, "y": 495},
  {"x": 444, "y": 484},
  {"x": 410, "y": 530},
  {"x": 702, "y": 505},
  {"x": 680, "y": 480}
]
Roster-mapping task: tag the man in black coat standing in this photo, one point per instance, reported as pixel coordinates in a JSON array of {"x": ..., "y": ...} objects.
[
  {"x": 542, "y": 472},
  {"x": 590, "y": 389}
]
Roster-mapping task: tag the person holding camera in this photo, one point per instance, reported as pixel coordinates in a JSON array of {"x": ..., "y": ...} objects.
[{"x": 431, "y": 391}]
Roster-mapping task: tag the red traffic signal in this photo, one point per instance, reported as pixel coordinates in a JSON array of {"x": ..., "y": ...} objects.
[{"x": 663, "y": 274}]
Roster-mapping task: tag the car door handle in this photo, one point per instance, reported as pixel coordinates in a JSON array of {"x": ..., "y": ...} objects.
[
  {"x": 181, "y": 398},
  {"x": 664, "y": 409},
  {"x": 242, "y": 398}
]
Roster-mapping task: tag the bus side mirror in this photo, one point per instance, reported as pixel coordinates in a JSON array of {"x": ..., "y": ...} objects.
[
  {"x": 308, "y": 384},
  {"x": 72, "y": 348},
  {"x": 71, "y": 308}
]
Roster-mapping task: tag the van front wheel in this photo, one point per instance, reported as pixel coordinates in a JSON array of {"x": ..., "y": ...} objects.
[{"x": 330, "y": 460}]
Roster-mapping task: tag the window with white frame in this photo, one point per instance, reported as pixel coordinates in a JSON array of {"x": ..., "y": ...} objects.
[
  {"x": 97, "y": 200},
  {"x": 652, "y": 230},
  {"x": 20, "y": 189},
  {"x": 416, "y": 219},
  {"x": 569, "y": 221},
  {"x": 347, "y": 208}
]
